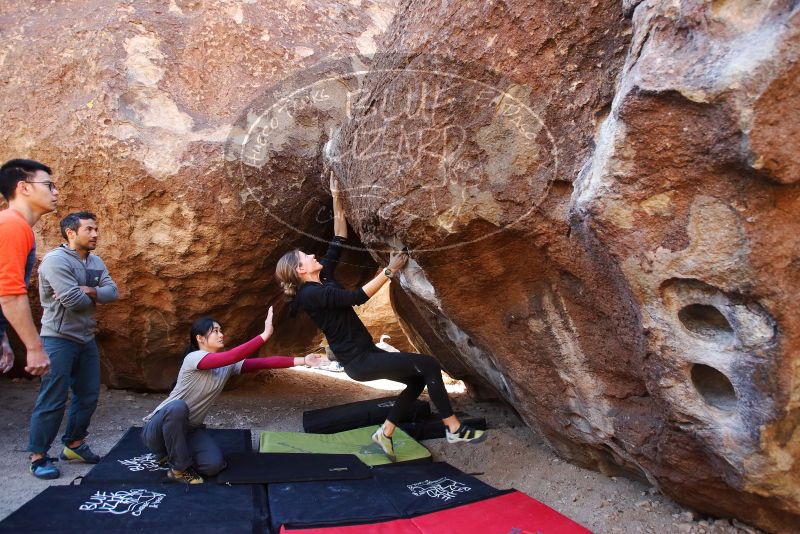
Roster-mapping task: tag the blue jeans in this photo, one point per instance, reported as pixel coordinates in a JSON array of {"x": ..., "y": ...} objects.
[{"x": 72, "y": 365}]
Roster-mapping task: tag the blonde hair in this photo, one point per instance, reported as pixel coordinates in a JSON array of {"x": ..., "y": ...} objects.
[{"x": 286, "y": 272}]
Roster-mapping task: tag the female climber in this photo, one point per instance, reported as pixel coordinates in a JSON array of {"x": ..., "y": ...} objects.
[
  {"x": 311, "y": 287},
  {"x": 174, "y": 430}
]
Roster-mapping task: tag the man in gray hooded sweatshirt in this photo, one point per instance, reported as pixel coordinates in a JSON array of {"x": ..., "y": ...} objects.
[{"x": 71, "y": 282}]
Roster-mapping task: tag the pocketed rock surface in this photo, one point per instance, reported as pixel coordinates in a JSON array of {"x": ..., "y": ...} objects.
[{"x": 601, "y": 211}]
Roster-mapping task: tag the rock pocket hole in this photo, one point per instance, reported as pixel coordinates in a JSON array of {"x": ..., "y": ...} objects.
[
  {"x": 714, "y": 387},
  {"x": 706, "y": 321}
]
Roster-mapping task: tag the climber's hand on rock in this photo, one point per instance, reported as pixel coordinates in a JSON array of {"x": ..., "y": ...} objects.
[{"x": 397, "y": 260}]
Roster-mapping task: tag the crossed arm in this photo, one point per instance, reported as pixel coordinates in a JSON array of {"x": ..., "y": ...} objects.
[{"x": 58, "y": 278}]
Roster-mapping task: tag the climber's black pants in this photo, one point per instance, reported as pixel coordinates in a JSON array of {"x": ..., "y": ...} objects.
[{"x": 414, "y": 370}]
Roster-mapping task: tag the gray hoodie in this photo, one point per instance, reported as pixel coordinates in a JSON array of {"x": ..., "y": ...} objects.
[{"x": 70, "y": 315}]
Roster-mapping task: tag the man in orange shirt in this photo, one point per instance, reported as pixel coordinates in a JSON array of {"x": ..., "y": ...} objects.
[{"x": 30, "y": 192}]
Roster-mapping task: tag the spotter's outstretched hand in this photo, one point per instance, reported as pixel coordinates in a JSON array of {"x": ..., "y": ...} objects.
[
  {"x": 316, "y": 360},
  {"x": 268, "y": 329}
]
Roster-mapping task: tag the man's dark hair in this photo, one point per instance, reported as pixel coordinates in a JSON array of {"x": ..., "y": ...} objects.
[
  {"x": 73, "y": 221},
  {"x": 15, "y": 171}
]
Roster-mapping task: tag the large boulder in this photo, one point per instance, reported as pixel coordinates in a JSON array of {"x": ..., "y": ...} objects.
[
  {"x": 600, "y": 213},
  {"x": 690, "y": 192},
  {"x": 133, "y": 104}
]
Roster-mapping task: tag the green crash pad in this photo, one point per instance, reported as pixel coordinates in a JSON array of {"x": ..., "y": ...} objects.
[{"x": 357, "y": 441}]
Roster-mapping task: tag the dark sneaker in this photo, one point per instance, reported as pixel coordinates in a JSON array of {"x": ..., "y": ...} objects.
[
  {"x": 465, "y": 434},
  {"x": 43, "y": 468},
  {"x": 186, "y": 477},
  {"x": 82, "y": 453},
  {"x": 385, "y": 443}
]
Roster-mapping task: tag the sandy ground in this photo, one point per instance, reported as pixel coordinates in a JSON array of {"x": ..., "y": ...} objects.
[{"x": 512, "y": 456}]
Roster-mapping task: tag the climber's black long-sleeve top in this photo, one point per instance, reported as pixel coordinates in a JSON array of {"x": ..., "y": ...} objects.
[{"x": 330, "y": 306}]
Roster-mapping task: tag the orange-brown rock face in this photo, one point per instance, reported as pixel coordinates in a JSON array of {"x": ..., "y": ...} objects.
[
  {"x": 601, "y": 214},
  {"x": 131, "y": 104}
]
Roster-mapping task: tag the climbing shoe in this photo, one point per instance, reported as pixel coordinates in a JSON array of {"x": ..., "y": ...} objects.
[
  {"x": 186, "y": 477},
  {"x": 465, "y": 434},
  {"x": 43, "y": 468},
  {"x": 81, "y": 453},
  {"x": 385, "y": 443}
]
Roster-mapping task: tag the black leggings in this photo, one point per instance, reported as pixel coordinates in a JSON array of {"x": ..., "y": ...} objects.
[{"x": 414, "y": 370}]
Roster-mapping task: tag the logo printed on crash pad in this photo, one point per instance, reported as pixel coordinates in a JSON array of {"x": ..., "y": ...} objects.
[
  {"x": 146, "y": 462},
  {"x": 122, "y": 502},
  {"x": 443, "y": 488},
  {"x": 387, "y": 404}
]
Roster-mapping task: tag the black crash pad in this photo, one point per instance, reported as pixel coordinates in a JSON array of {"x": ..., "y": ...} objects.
[
  {"x": 271, "y": 467},
  {"x": 357, "y": 414},
  {"x": 152, "y": 508},
  {"x": 394, "y": 492},
  {"x": 130, "y": 461}
]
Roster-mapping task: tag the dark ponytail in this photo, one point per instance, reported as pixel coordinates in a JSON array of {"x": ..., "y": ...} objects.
[{"x": 201, "y": 327}]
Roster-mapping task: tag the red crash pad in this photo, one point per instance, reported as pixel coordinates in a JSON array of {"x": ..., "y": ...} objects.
[{"x": 512, "y": 513}]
